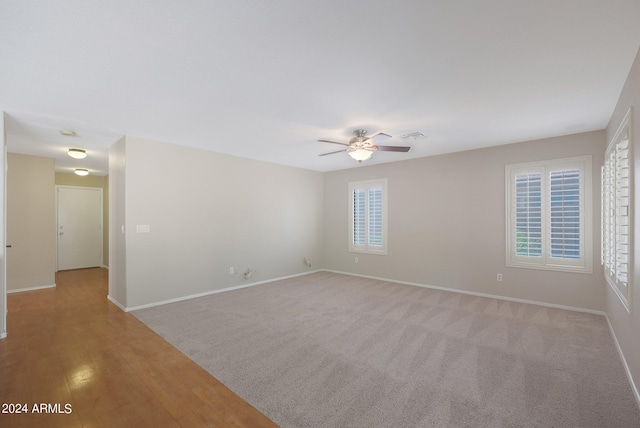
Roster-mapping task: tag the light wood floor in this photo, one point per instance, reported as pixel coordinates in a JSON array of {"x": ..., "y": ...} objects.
[{"x": 70, "y": 345}]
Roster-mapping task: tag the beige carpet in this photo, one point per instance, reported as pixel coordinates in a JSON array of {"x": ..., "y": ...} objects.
[{"x": 330, "y": 350}]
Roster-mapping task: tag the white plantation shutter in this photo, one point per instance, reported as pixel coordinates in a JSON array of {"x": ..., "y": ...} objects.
[
  {"x": 358, "y": 217},
  {"x": 622, "y": 212},
  {"x": 375, "y": 216},
  {"x": 564, "y": 204},
  {"x": 368, "y": 217},
  {"x": 615, "y": 254},
  {"x": 528, "y": 209},
  {"x": 547, "y": 215}
]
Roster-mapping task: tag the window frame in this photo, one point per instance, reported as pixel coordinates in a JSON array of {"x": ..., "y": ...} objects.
[
  {"x": 367, "y": 248},
  {"x": 584, "y": 264},
  {"x": 617, "y": 207}
]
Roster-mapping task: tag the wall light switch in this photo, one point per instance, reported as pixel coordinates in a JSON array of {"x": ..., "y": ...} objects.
[{"x": 143, "y": 228}]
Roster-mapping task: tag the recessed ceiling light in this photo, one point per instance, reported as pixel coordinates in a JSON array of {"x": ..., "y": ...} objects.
[
  {"x": 77, "y": 153},
  {"x": 82, "y": 171},
  {"x": 68, "y": 133}
]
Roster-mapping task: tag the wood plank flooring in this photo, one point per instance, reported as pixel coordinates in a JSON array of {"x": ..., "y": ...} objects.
[{"x": 71, "y": 349}]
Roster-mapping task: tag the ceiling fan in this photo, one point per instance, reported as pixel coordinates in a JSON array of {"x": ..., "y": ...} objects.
[{"x": 361, "y": 148}]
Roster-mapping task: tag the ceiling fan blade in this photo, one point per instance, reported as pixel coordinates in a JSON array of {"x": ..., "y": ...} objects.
[
  {"x": 332, "y": 142},
  {"x": 393, "y": 148},
  {"x": 330, "y": 153},
  {"x": 379, "y": 136}
]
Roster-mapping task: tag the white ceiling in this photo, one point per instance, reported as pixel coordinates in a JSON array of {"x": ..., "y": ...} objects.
[{"x": 267, "y": 79}]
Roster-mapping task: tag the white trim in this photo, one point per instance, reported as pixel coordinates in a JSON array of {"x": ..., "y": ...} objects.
[
  {"x": 3, "y": 335},
  {"x": 368, "y": 248},
  {"x": 545, "y": 261},
  {"x": 415, "y": 284},
  {"x": 636, "y": 394},
  {"x": 115, "y": 302},
  {"x": 473, "y": 293},
  {"x": 207, "y": 293},
  {"x": 41, "y": 287},
  {"x": 610, "y": 274}
]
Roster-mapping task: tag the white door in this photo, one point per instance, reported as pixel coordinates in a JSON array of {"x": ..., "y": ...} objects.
[{"x": 79, "y": 227}]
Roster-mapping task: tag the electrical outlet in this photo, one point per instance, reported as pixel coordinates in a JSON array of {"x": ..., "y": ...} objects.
[
  {"x": 232, "y": 270},
  {"x": 356, "y": 260},
  {"x": 499, "y": 277}
]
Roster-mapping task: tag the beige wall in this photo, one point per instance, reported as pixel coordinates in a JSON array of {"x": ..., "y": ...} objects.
[
  {"x": 208, "y": 212},
  {"x": 30, "y": 222},
  {"x": 117, "y": 220},
  {"x": 102, "y": 182},
  {"x": 446, "y": 223},
  {"x": 3, "y": 285},
  {"x": 625, "y": 325}
]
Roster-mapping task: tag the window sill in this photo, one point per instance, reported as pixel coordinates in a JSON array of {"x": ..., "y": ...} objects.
[
  {"x": 382, "y": 252},
  {"x": 555, "y": 268}
]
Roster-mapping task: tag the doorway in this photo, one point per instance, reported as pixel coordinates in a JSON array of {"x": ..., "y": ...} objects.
[{"x": 79, "y": 227}]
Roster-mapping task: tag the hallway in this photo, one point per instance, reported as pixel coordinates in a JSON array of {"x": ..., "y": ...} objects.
[{"x": 91, "y": 364}]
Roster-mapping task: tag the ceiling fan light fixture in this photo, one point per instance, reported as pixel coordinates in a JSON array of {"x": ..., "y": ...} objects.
[
  {"x": 77, "y": 153},
  {"x": 360, "y": 154},
  {"x": 82, "y": 172},
  {"x": 360, "y": 148}
]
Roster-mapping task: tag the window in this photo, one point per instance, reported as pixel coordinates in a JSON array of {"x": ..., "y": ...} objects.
[
  {"x": 548, "y": 215},
  {"x": 615, "y": 253},
  {"x": 368, "y": 217}
]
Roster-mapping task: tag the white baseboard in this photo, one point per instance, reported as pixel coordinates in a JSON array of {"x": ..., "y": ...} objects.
[
  {"x": 636, "y": 394},
  {"x": 3, "y": 335},
  {"x": 473, "y": 293},
  {"x": 415, "y": 284},
  {"x": 20, "y": 290},
  {"x": 115, "y": 302},
  {"x": 207, "y": 293}
]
